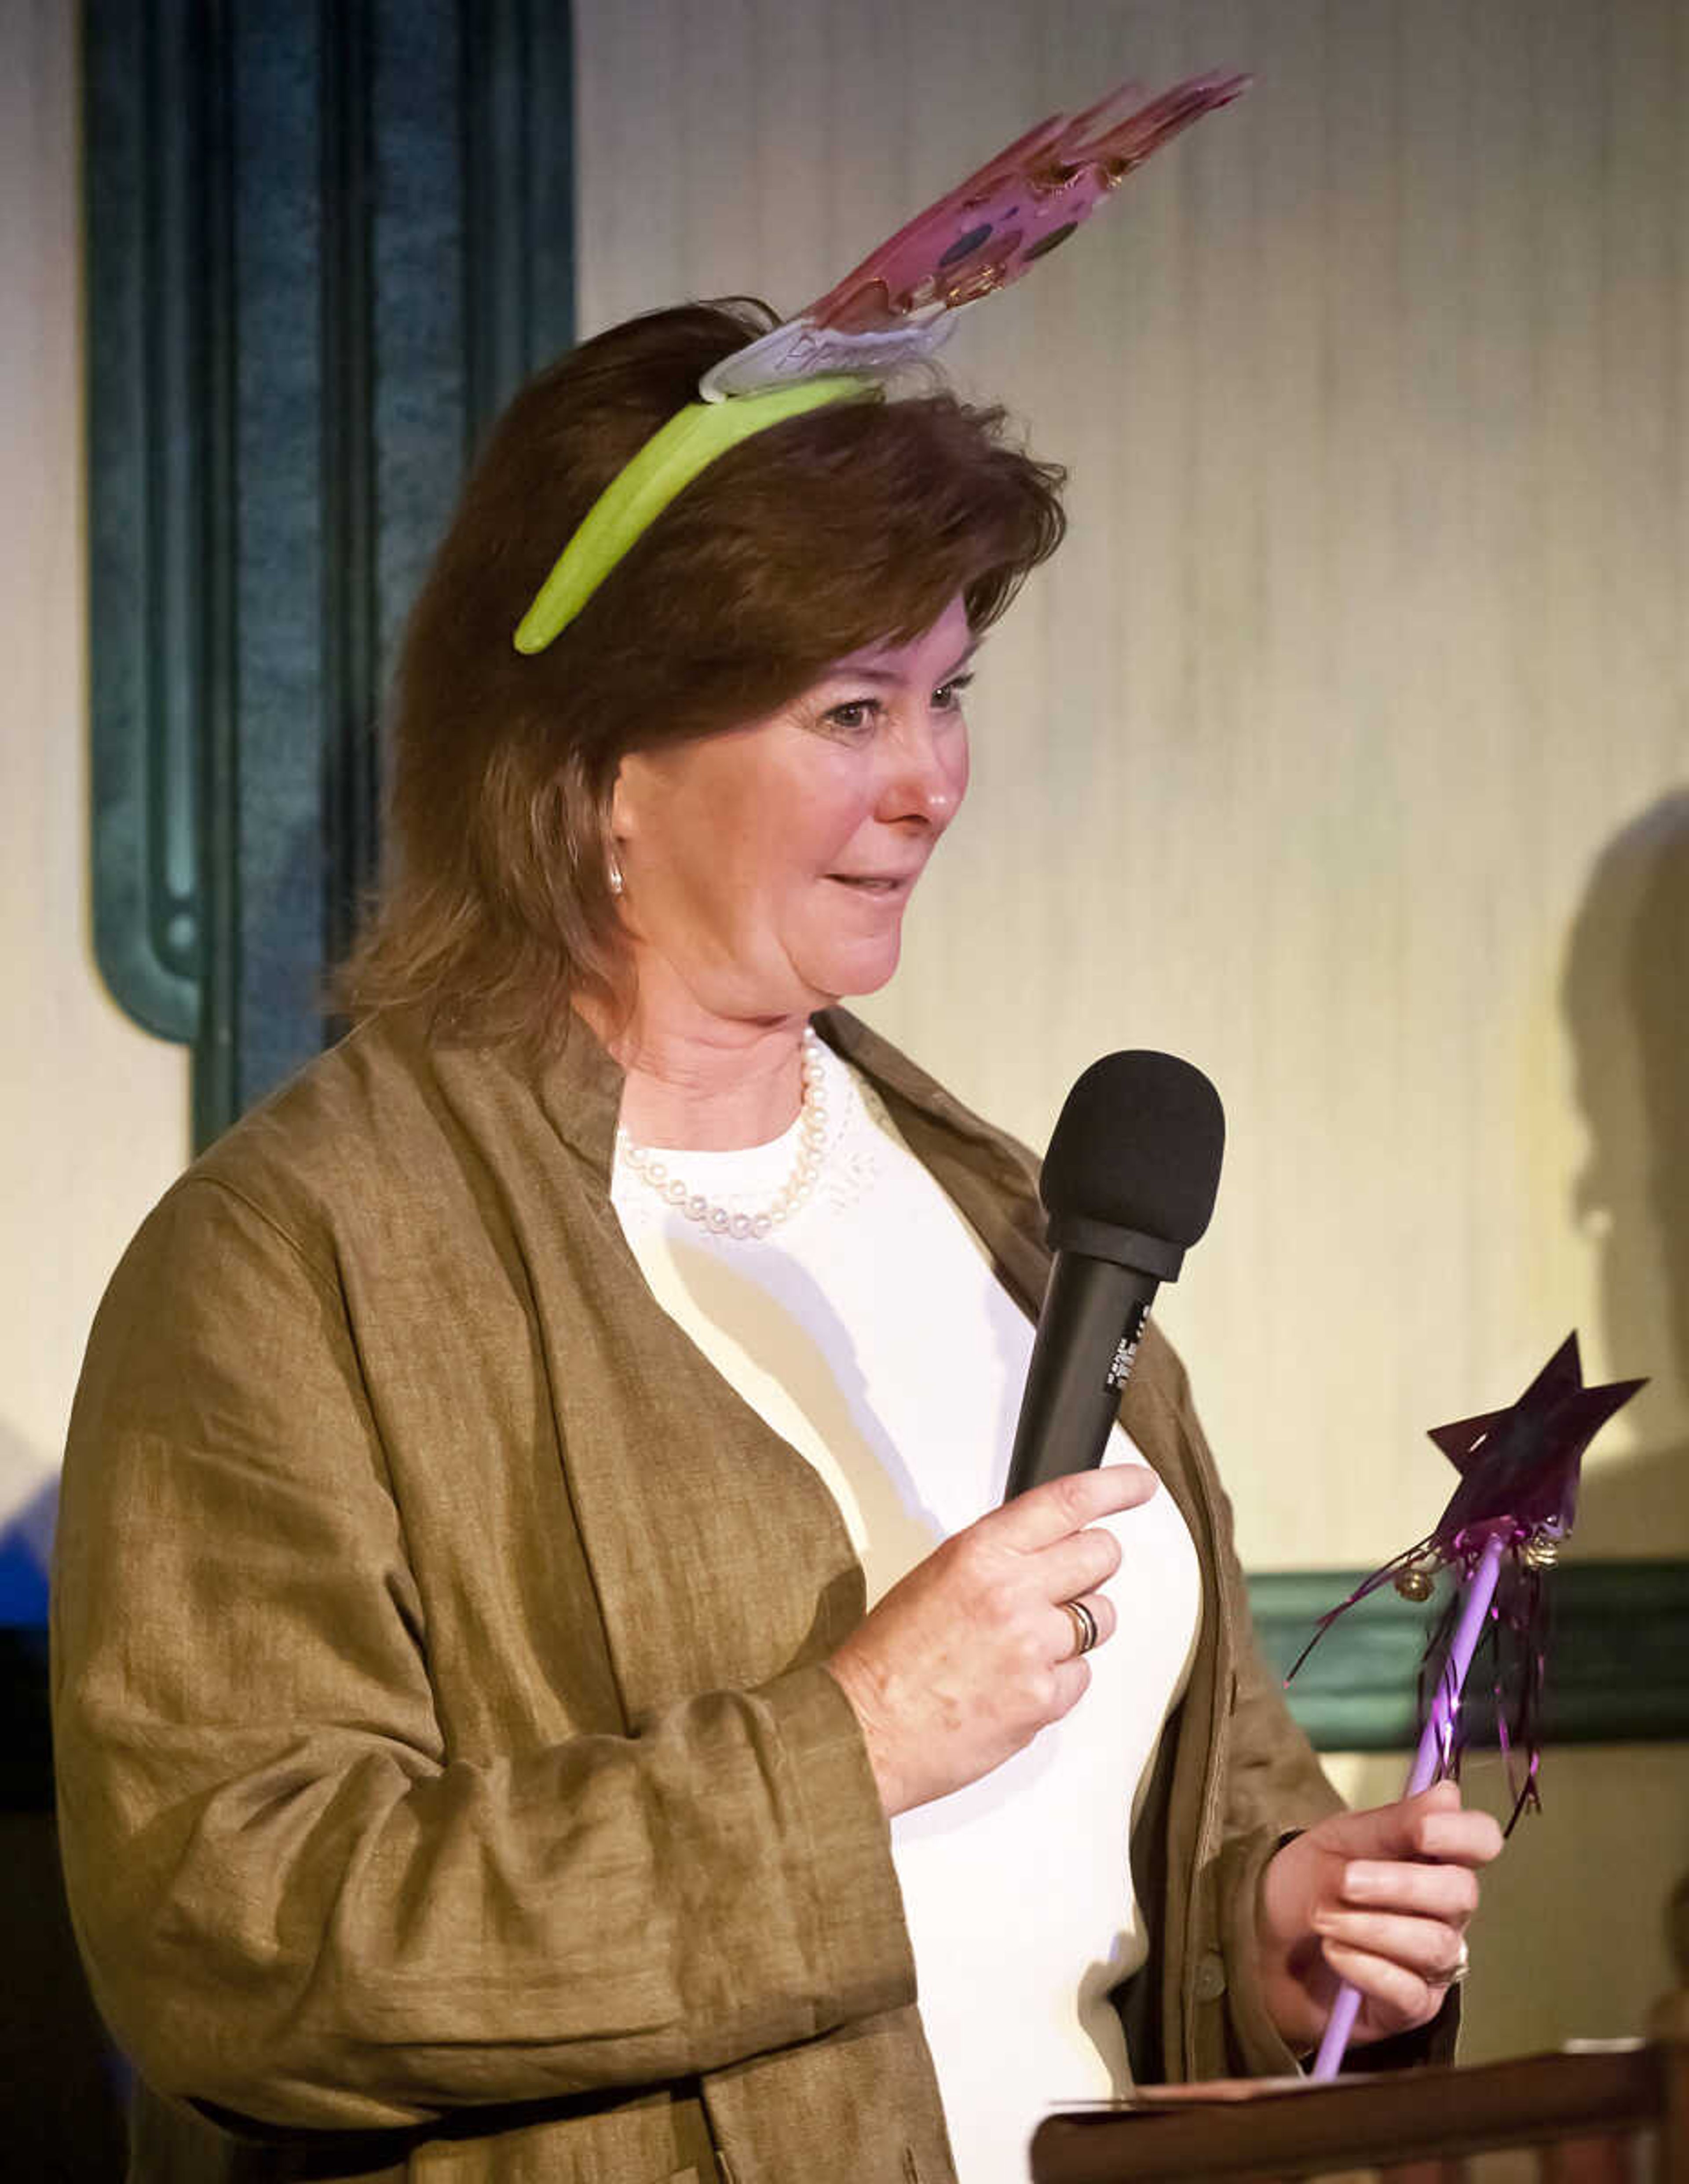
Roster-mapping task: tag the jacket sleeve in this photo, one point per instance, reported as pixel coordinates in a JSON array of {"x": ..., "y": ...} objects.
[
  {"x": 1278, "y": 1789},
  {"x": 1273, "y": 1788},
  {"x": 294, "y": 1902}
]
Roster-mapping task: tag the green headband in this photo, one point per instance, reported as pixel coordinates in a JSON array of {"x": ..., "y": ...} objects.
[{"x": 638, "y": 495}]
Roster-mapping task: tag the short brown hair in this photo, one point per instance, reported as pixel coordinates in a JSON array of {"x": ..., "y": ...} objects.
[{"x": 850, "y": 525}]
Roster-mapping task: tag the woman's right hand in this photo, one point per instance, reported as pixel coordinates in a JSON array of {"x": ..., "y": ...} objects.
[{"x": 971, "y": 1654}]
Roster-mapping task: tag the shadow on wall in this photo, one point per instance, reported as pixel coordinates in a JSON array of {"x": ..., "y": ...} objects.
[{"x": 1624, "y": 994}]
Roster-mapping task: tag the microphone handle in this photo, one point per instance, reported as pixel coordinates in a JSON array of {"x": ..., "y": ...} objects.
[{"x": 1088, "y": 1333}]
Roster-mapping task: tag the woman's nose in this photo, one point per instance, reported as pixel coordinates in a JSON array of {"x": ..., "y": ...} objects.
[{"x": 928, "y": 776}]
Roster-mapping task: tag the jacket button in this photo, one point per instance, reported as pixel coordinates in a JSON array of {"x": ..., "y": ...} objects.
[{"x": 1210, "y": 1976}]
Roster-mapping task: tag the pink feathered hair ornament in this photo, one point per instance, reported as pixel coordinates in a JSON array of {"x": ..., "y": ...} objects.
[{"x": 900, "y": 303}]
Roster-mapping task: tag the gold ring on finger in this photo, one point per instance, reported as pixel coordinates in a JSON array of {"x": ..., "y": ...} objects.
[{"x": 1085, "y": 1630}]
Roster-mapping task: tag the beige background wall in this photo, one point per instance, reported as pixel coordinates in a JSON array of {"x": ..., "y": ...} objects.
[
  {"x": 1358, "y": 690},
  {"x": 1367, "y": 648},
  {"x": 93, "y": 1112}
]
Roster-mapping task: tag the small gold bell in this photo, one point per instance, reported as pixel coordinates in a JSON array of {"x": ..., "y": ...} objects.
[
  {"x": 1415, "y": 1582},
  {"x": 1540, "y": 1552}
]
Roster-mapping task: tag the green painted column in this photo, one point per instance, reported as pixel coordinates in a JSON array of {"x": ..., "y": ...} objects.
[{"x": 325, "y": 242}]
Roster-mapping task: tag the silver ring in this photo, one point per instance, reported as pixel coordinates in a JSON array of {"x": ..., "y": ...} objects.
[
  {"x": 1462, "y": 1964},
  {"x": 1085, "y": 1630}
]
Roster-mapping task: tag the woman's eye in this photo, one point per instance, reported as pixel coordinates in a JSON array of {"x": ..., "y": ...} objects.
[
  {"x": 852, "y": 717},
  {"x": 859, "y": 716}
]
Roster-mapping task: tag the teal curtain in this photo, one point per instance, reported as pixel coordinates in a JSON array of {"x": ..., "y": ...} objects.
[{"x": 326, "y": 243}]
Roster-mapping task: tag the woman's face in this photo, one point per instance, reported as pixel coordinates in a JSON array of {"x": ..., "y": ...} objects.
[{"x": 767, "y": 868}]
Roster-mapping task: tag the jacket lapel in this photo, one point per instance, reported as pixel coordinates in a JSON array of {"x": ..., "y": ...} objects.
[{"x": 718, "y": 1558}]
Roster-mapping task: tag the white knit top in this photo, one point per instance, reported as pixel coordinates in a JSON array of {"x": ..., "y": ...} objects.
[{"x": 870, "y": 1332}]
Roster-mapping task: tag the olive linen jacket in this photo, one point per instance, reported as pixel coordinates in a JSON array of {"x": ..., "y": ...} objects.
[{"x": 450, "y": 1784}]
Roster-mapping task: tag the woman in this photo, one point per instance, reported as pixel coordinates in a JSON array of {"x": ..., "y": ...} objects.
[{"x": 472, "y": 1743}]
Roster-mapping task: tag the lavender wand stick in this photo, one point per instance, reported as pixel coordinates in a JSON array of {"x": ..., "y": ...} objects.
[{"x": 1434, "y": 1744}]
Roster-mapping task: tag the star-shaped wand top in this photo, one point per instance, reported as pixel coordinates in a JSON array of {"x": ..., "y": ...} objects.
[{"x": 1519, "y": 1467}]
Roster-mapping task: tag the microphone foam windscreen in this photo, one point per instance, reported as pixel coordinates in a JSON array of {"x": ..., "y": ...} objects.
[{"x": 1138, "y": 1145}]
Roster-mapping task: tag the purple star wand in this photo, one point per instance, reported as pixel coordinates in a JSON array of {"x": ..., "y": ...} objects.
[{"x": 1517, "y": 1500}]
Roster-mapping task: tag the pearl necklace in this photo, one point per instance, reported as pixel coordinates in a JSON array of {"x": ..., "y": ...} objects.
[{"x": 741, "y": 1227}]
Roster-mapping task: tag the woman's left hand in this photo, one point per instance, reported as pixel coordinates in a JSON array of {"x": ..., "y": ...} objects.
[{"x": 1381, "y": 1898}]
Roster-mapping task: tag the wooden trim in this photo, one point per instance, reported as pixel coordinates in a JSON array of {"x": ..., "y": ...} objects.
[
  {"x": 1618, "y": 1664},
  {"x": 1271, "y": 2129}
]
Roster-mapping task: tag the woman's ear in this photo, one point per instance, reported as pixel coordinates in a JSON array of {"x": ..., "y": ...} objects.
[
  {"x": 623, "y": 801},
  {"x": 616, "y": 832}
]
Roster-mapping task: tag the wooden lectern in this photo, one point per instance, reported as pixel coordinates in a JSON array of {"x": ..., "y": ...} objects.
[
  {"x": 1610, "y": 2112},
  {"x": 1588, "y": 2114}
]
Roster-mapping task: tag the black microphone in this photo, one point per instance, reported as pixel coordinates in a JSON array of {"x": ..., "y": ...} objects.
[{"x": 1129, "y": 1185}]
